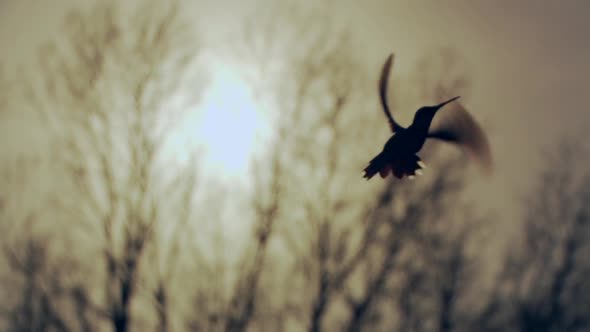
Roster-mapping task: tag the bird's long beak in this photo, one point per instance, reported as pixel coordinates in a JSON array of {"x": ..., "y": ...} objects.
[{"x": 446, "y": 102}]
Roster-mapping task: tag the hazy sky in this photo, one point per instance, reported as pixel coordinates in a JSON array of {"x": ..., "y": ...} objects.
[{"x": 529, "y": 60}]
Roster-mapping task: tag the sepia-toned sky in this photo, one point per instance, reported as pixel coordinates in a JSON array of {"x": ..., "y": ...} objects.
[{"x": 528, "y": 59}]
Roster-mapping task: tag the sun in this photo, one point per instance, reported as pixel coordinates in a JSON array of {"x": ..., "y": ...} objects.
[{"x": 228, "y": 125}]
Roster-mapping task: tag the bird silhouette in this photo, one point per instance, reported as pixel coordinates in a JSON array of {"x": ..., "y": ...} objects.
[{"x": 399, "y": 156}]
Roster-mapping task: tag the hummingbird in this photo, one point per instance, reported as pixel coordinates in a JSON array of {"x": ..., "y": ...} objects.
[{"x": 399, "y": 156}]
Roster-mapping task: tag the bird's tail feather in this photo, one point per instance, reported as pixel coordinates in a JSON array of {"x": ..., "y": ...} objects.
[
  {"x": 377, "y": 165},
  {"x": 407, "y": 166}
]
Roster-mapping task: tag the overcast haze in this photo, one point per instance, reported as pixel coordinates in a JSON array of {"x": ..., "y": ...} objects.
[
  {"x": 528, "y": 59},
  {"x": 528, "y": 67},
  {"x": 528, "y": 62}
]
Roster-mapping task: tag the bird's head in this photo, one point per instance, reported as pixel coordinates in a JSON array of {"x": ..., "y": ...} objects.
[{"x": 425, "y": 114}]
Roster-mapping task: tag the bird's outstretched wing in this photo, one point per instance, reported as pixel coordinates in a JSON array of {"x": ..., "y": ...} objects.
[
  {"x": 383, "y": 84},
  {"x": 456, "y": 125}
]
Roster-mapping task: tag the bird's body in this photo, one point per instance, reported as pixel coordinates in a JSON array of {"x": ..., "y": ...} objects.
[{"x": 399, "y": 155}]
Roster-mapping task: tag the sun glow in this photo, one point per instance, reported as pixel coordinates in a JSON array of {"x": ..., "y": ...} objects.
[{"x": 227, "y": 126}]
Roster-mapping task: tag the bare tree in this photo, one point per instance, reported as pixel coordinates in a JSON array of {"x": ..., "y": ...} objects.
[
  {"x": 39, "y": 280},
  {"x": 111, "y": 91},
  {"x": 328, "y": 251},
  {"x": 42, "y": 285},
  {"x": 167, "y": 247},
  {"x": 543, "y": 283},
  {"x": 276, "y": 172},
  {"x": 344, "y": 246}
]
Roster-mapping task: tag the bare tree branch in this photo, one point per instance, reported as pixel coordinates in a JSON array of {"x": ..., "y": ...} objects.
[{"x": 108, "y": 89}]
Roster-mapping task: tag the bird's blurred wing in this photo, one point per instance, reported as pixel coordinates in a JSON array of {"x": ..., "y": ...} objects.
[
  {"x": 383, "y": 84},
  {"x": 456, "y": 125}
]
